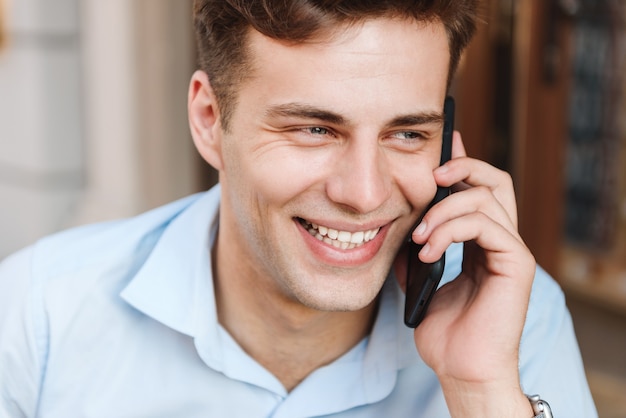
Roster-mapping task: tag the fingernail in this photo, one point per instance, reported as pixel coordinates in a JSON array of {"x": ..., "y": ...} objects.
[
  {"x": 425, "y": 249},
  {"x": 421, "y": 228}
]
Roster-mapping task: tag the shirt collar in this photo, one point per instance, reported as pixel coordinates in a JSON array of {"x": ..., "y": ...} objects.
[{"x": 175, "y": 283}]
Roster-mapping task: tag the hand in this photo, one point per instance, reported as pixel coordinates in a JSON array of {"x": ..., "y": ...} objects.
[{"x": 471, "y": 333}]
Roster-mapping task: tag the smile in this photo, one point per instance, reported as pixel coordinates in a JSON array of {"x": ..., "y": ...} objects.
[{"x": 339, "y": 239}]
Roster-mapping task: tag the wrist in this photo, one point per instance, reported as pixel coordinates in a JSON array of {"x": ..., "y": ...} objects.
[{"x": 486, "y": 400}]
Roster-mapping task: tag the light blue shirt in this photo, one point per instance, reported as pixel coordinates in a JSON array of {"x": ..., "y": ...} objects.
[{"x": 118, "y": 320}]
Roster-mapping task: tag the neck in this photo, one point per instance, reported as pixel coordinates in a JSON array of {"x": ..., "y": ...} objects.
[{"x": 281, "y": 334}]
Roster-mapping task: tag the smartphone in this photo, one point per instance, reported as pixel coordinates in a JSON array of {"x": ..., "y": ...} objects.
[{"x": 423, "y": 278}]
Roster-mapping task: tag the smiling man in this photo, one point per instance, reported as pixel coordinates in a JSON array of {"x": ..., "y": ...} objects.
[{"x": 279, "y": 292}]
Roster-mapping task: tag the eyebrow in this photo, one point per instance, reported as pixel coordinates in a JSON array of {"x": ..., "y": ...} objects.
[
  {"x": 420, "y": 118},
  {"x": 305, "y": 111}
]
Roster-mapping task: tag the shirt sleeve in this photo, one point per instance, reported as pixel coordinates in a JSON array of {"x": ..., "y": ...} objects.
[
  {"x": 550, "y": 361},
  {"x": 20, "y": 342}
]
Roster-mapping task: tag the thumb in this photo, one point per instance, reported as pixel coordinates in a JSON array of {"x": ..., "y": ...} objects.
[{"x": 458, "y": 148}]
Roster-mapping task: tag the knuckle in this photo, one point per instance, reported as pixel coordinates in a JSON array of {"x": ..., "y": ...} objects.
[
  {"x": 483, "y": 191},
  {"x": 505, "y": 178},
  {"x": 482, "y": 194},
  {"x": 480, "y": 217}
]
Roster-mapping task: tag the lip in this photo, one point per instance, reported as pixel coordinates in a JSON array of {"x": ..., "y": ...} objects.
[{"x": 331, "y": 255}]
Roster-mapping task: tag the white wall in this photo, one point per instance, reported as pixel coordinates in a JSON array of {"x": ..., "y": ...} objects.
[
  {"x": 92, "y": 113},
  {"x": 41, "y": 164}
]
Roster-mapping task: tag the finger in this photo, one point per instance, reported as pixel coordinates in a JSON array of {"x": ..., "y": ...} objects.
[
  {"x": 505, "y": 254},
  {"x": 458, "y": 148},
  {"x": 476, "y": 199},
  {"x": 458, "y": 151},
  {"x": 469, "y": 172}
]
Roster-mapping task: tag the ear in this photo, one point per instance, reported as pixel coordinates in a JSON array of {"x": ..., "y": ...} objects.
[{"x": 204, "y": 119}]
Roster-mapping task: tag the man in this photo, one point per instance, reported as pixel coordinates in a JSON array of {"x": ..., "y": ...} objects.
[{"x": 278, "y": 292}]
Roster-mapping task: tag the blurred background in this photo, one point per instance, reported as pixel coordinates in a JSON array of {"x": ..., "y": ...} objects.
[{"x": 93, "y": 126}]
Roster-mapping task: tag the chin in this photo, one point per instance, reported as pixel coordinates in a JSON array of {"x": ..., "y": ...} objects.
[{"x": 340, "y": 300}]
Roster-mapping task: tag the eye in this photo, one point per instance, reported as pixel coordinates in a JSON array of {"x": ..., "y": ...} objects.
[
  {"x": 311, "y": 135},
  {"x": 408, "y": 135},
  {"x": 317, "y": 130},
  {"x": 408, "y": 141}
]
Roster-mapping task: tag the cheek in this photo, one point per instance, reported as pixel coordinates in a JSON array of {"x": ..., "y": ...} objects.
[
  {"x": 417, "y": 183},
  {"x": 275, "y": 176}
]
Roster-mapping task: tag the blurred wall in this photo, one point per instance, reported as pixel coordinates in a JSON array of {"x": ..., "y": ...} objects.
[
  {"x": 41, "y": 147},
  {"x": 92, "y": 113}
]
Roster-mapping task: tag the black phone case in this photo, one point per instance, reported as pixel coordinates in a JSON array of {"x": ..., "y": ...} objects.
[{"x": 423, "y": 278}]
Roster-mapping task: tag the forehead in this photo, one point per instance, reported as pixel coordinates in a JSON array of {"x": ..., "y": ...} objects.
[
  {"x": 387, "y": 36},
  {"x": 389, "y": 60}
]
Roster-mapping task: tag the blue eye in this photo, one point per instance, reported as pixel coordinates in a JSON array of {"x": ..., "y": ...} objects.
[
  {"x": 408, "y": 135},
  {"x": 312, "y": 135},
  {"x": 318, "y": 130}
]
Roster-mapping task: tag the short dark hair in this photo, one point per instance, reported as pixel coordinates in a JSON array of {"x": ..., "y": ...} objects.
[{"x": 222, "y": 27}]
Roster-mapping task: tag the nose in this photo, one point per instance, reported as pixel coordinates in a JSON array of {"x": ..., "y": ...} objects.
[{"x": 361, "y": 181}]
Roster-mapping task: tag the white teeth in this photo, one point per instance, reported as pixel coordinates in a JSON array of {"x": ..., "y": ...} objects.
[
  {"x": 357, "y": 237},
  {"x": 344, "y": 236},
  {"x": 340, "y": 239}
]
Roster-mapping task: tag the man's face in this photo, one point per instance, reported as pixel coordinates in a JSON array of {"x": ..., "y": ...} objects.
[{"x": 329, "y": 160}]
